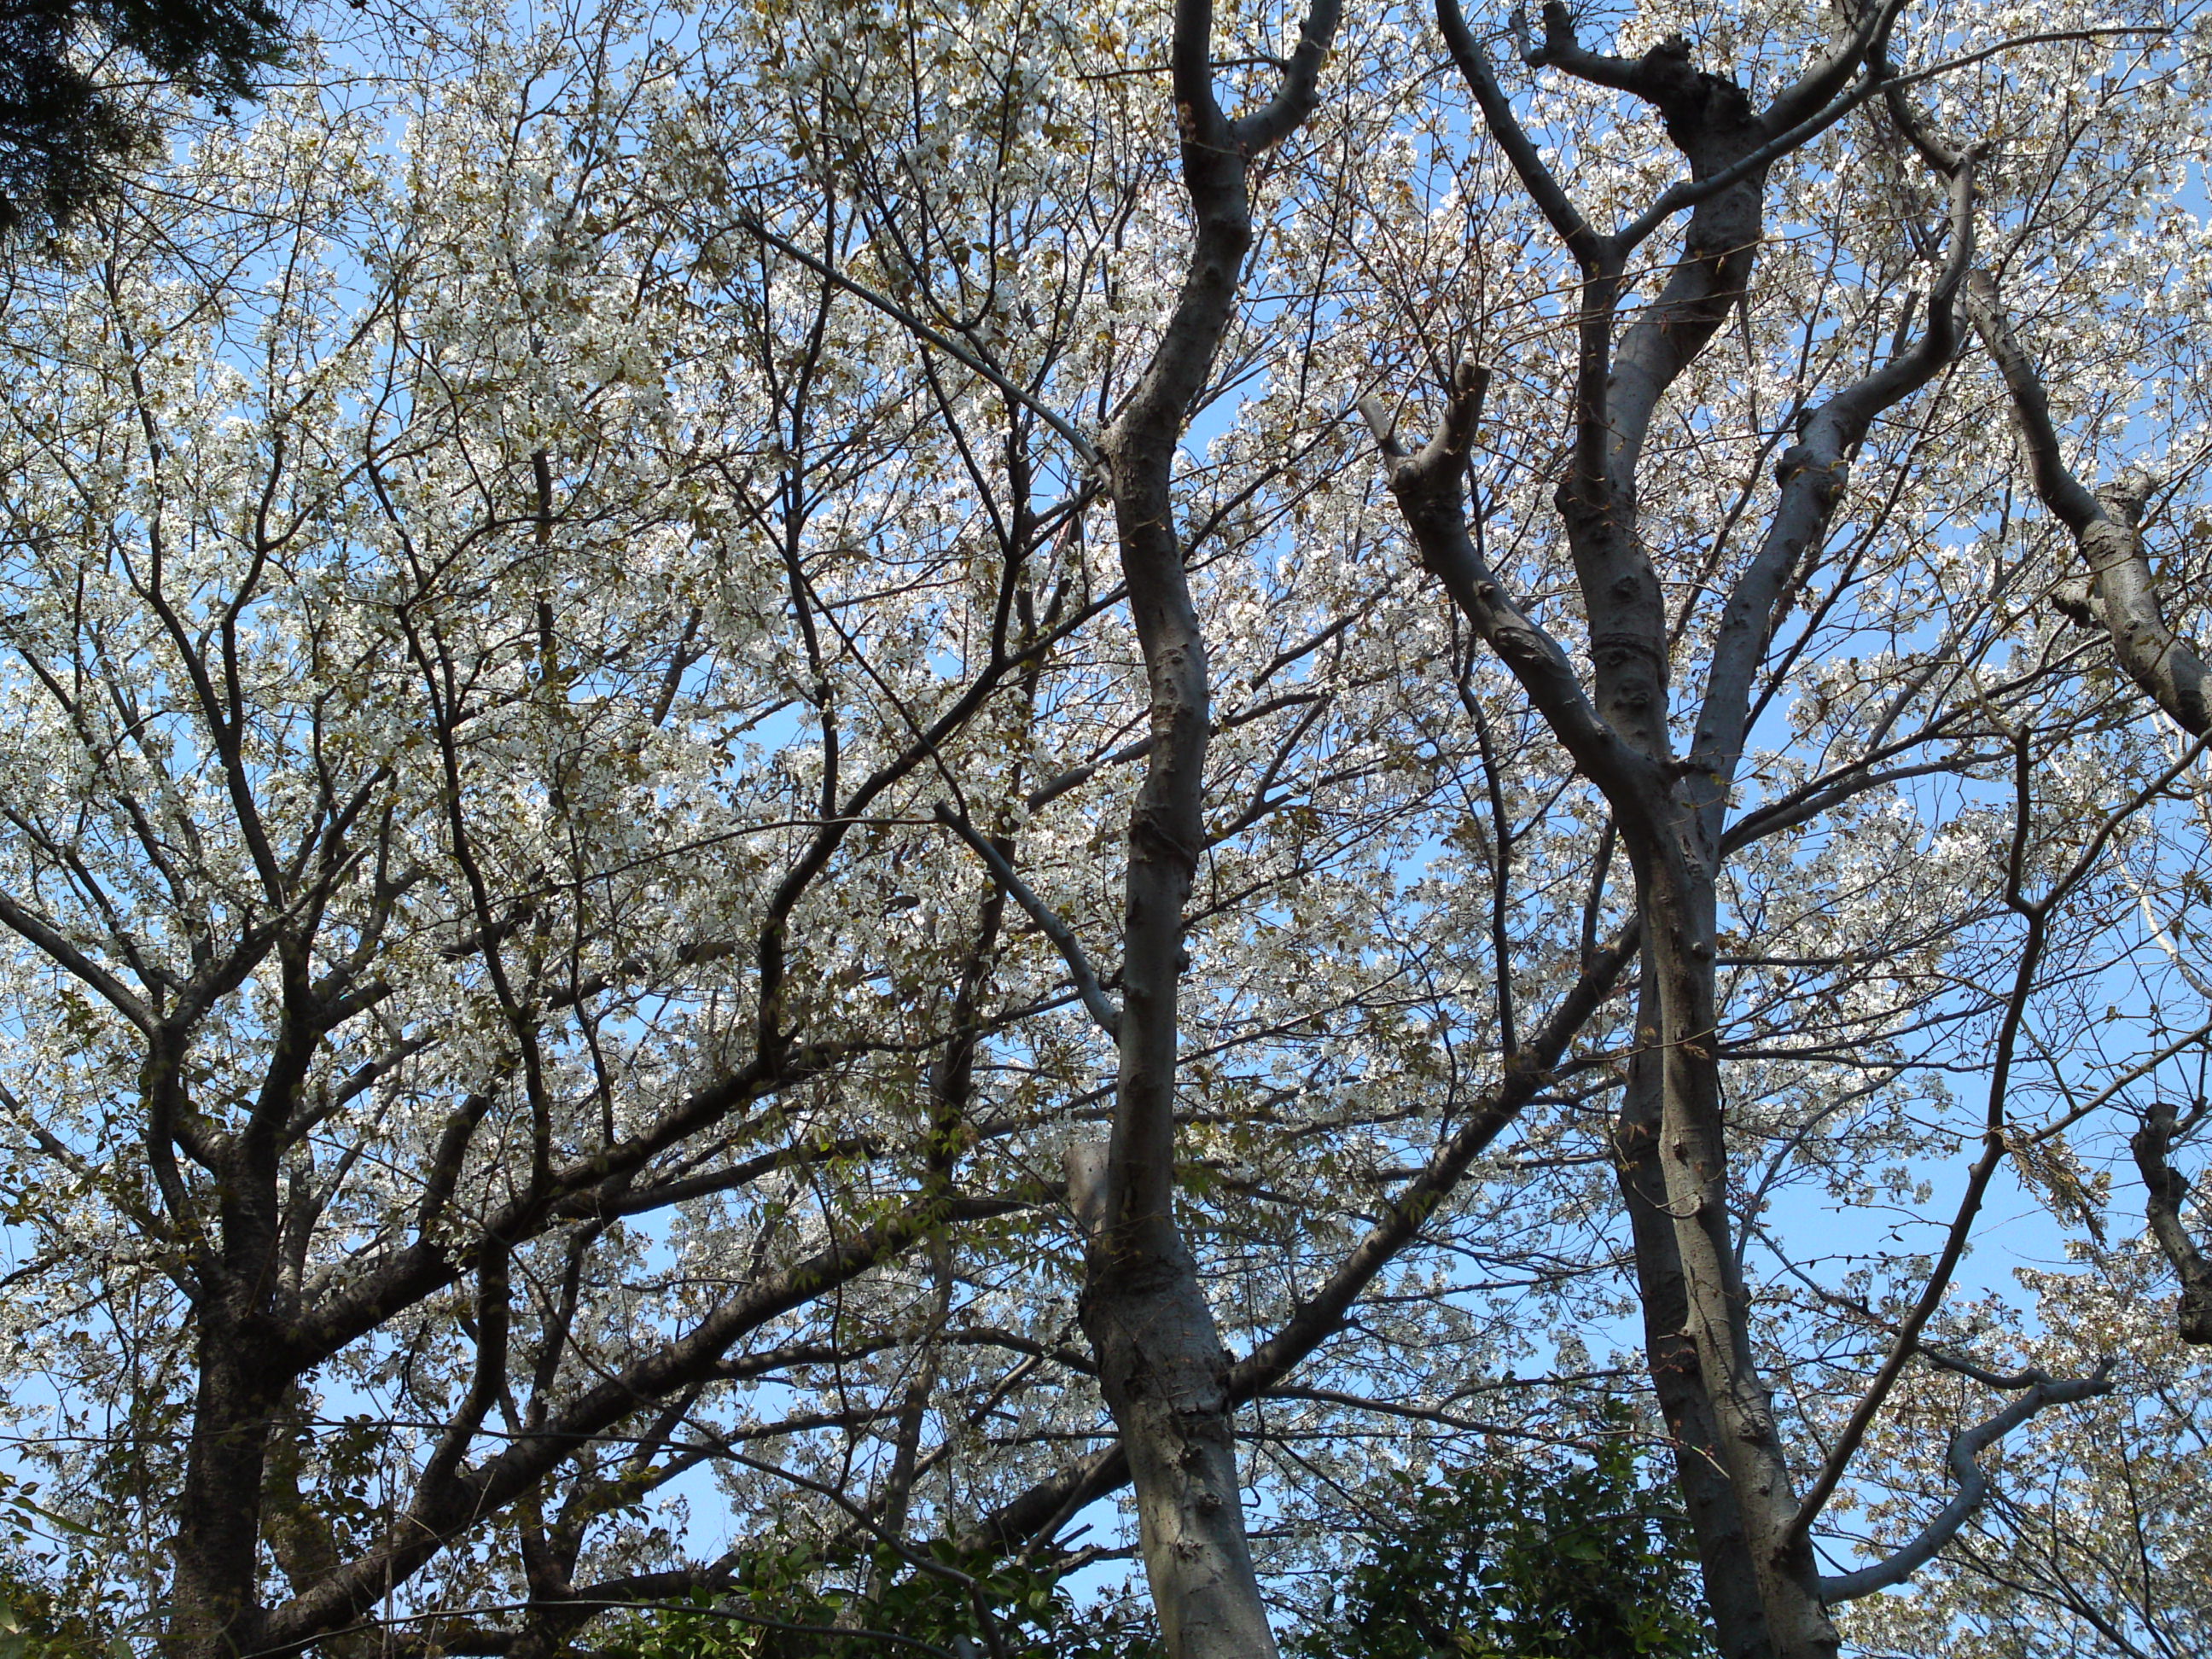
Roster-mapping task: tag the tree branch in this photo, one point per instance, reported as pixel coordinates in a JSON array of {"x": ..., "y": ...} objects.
[
  {"x": 1966, "y": 1446},
  {"x": 2168, "y": 1190},
  {"x": 1101, "y": 1005},
  {"x": 2106, "y": 525}
]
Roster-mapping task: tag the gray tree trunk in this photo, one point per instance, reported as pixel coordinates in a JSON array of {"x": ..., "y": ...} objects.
[
  {"x": 1752, "y": 1534},
  {"x": 1160, "y": 1360}
]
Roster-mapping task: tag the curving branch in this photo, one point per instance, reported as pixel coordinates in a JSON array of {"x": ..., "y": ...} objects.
[
  {"x": 1813, "y": 474},
  {"x": 1295, "y": 99},
  {"x": 1967, "y": 1448},
  {"x": 2168, "y": 1190},
  {"x": 2106, "y": 528},
  {"x": 1590, "y": 249},
  {"x": 1430, "y": 491},
  {"x": 1048, "y": 920}
]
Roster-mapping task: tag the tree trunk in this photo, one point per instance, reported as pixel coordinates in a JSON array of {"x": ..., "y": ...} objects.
[
  {"x": 1716, "y": 1517},
  {"x": 1164, "y": 1374},
  {"x": 1679, "y": 946},
  {"x": 1160, "y": 1361},
  {"x": 215, "y": 1609}
]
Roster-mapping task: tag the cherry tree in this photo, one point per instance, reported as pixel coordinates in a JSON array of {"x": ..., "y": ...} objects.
[{"x": 733, "y": 780}]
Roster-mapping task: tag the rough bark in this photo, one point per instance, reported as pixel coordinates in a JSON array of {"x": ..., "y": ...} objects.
[
  {"x": 1164, "y": 1375},
  {"x": 215, "y": 1607},
  {"x": 1700, "y": 1469},
  {"x": 215, "y": 1611},
  {"x": 297, "y": 1526}
]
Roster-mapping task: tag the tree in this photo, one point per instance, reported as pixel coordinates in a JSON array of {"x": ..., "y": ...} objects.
[
  {"x": 1548, "y": 1559},
  {"x": 938, "y": 1603},
  {"x": 729, "y": 777},
  {"x": 66, "y": 119},
  {"x": 1670, "y": 809}
]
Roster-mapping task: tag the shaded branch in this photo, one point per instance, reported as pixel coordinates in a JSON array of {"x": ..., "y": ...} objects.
[
  {"x": 2168, "y": 1190},
  {"x": 1967, "y": 1447}
]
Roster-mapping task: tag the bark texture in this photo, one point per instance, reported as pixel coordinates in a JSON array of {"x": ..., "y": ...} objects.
[
  {"x": 1161, "y": 1364},
  {"x": 2167, "y": 1191}
]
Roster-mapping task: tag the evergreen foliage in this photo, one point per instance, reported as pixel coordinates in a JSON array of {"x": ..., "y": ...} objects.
[
  {"x": 1545, "y": 1559},
  {"x": 961, "y": 1604},
  {"x": 66, "y": 119}
]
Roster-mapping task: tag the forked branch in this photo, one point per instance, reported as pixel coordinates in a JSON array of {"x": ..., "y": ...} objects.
[{"x": 1967, "y": 1448}]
